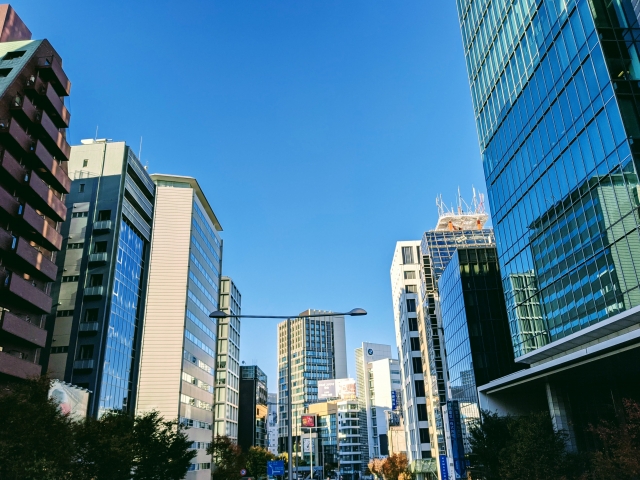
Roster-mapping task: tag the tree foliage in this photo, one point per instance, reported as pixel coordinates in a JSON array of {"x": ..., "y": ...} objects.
[
  {"x": 520, "y": 448},
  {"x": 37, "y": 441},
  {"x": 256, "y": 459},
  {"x": 226, "y": 458},
  {"x": 394, "y": 467},
  {"x": 619, "y": 457}
]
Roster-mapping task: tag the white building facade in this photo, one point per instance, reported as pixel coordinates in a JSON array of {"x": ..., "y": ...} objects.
[
  {"x": 228, "y": 362},
  {"x": 178, "y": 356}
]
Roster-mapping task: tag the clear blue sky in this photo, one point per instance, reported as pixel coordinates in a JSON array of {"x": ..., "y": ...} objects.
[{"x": 320, "y": 131}]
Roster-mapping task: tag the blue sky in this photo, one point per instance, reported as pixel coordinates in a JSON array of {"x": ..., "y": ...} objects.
[{"x": 320, "y": 131}]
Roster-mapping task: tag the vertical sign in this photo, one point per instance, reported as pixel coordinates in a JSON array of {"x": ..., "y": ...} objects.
[
  {"x": 394, "y": 400},
  {"x": 457, "y": 444},
  {"x": 444, "y": 470}
]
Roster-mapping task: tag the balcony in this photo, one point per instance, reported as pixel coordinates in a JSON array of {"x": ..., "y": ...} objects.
[
  {"x": 102, "y": 226},
  {"x": 94, "y": 291},
  {"x": 50, "y": 168},
  {"x": 83, "y": 364},
  {"x": 24, "y": 110},
  {"x": 88, "y": 328},
  {"x": 43, "y": 232},
  {"x": 53, "y": 137},
  {"x": 44, "y": 198},
  {"x": 20, "y": 292},
  {"x": 17, "y": 367},
  {"x": 55, "y": 107},
  {"x": 10, "y": 167},
  {"x": 51, "y": 69},
  {"x": 34, "y": 262},
  {"x": 98, "y": 258},
  {"x": 23, "y": 329},
  {"x": 8, "y": 203},
  {"x": 14, "y": 137}
]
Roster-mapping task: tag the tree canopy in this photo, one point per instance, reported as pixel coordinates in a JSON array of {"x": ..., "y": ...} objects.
[{"x": 38, "y": 441}]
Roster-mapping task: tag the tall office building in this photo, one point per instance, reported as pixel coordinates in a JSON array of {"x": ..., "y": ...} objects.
[
  {"x": 177, "y": 365},
  {"x": 253, "y": 411},
  {"x": 415, "y": 271},
  {"x": 103, "y": 268},
  {"x": 377, "y": 374},
  {"x": 405, "y": 282},
  {"x": 33, "y": 182},
  {"x": 228, "y": 363},
  {"x": 476, "y": 336},
  {"x": 318, "y": 352},
  {"x": 554, "y": 95}
]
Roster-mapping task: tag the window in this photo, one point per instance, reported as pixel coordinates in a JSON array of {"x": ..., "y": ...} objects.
[
  {"x": 104, "y": 215},
  {"x": 75, "y": 246},
  {"x": 85, "y": 352},
  {"x": 91, "y": 315},
  {"x": 81, "y": 188},
  {"x": 424, "y": 435},
  {"x": 4, "y": 72},
  {"x": 411, "y": 288},
  {"x": 12, "y": 55},
  {"x": 415, "y": 344},
  {"x": 417, "y": 364},
  {"x": 64, "y": 313},
  {"x": 426, "y": 453},
  {"x": 100, "y": 247},
  {"x": 409, "y": 275},
  {"x": 419, "y": 384},
  {"x": 413, "y": 324},
  {"x": 85, "y": 162},
  {"x": 59, "y": 349},
  {"x": 96, "y": 280},
  {"x": 407, "y": 255},
  {"x": 411, "y": 305},
  {"x": 79, "y": 214},
  {"x": 70, "y": 278},
  {"x": 422, "y": 412}
]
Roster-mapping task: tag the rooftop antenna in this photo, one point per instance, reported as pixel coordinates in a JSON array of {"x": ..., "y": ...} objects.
[
  {"x": 96, "y": 137},
  {"x": 140, "y": 150}
]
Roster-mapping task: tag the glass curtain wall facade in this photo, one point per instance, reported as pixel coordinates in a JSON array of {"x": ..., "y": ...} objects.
[
  {"x": 554, "y": 87},
  {"x": 476, "y": 329}
]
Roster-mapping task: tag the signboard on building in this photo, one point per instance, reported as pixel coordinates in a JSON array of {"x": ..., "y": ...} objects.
[
  {"x": 309, "y": 421},
  {"x": 275, "y": 468},
  {"x": 444, "y": 470},
  {"x": 326, "y": 389},
  {"x": 71, "y": 400},
  {"x": 394, "y": 399},
  {"x": 457, "y": 445},
  {"x": 307, "y": 445},
  {"x": 345, "y": 388}
]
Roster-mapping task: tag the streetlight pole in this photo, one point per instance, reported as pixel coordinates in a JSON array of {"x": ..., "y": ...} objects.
[{"x": 356, "y": 312}]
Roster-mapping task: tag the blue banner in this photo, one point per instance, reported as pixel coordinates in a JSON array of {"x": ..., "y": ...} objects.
[
  {"x": 394, "y": 400},
  {"x": 444, "y": 468}
]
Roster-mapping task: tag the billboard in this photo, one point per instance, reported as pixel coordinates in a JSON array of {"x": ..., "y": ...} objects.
[
  {"x": 326, "y": 389},
  {"x": 341, "y": 388},
  {"x": 71, "y": 400},
  {"x": 309, "y": 421},
  {"x": 345, "y": 388}
]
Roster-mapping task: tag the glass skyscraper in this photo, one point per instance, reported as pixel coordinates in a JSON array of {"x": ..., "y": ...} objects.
[{"x": 554, "y": 85}]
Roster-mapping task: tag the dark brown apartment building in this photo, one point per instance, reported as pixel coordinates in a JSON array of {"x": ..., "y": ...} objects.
[{"x": 33, "y": 181}]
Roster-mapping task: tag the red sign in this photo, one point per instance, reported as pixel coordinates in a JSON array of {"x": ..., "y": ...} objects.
[{"x": 308, "y": 421}]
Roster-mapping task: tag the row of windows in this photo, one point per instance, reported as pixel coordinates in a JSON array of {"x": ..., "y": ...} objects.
[
  {"x": 203, "y": 288},
  {"x": 203, "y": 308},
  {"x": 204, "y": 272},
  {"x": 193, "y": 359},
  {"x": 197, "y": 382},
  {"x": 210, "y": 247},
  {"x": 190, "y": 336},
  {"x": 206, "y": 224},
  {"x": 187, "y": 400},
  {"x": 205, "y": 256},
  {"x": 191, "y": 423}
]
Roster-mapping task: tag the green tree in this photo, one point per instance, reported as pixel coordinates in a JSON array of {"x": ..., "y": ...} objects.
[
  {"x": 36, "y": 440},
  {"x": 487, "y": 440},
  {"x": 256, "y": 459},
  {"x": 227, "y": 458},
  {"x": 619, "y": 455}
]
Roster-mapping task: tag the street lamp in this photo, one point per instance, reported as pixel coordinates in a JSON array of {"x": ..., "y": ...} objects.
[{"x": 356, "y": 312}]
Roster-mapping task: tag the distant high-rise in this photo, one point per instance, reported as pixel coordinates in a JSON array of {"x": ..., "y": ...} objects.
[
  {"x": 228, "y": 364},
  {"x": 318, "y": 352},
  {"x": 178, "y": 356},
  {"x": 377, "y": 375},
  {"x": 34, "y": 156},
  {"x": 101, "y": 290},
  {"x": 253, "y": 410},
  {"x": 554, "y": 90},
  {"x": 272, "y": 423}
]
